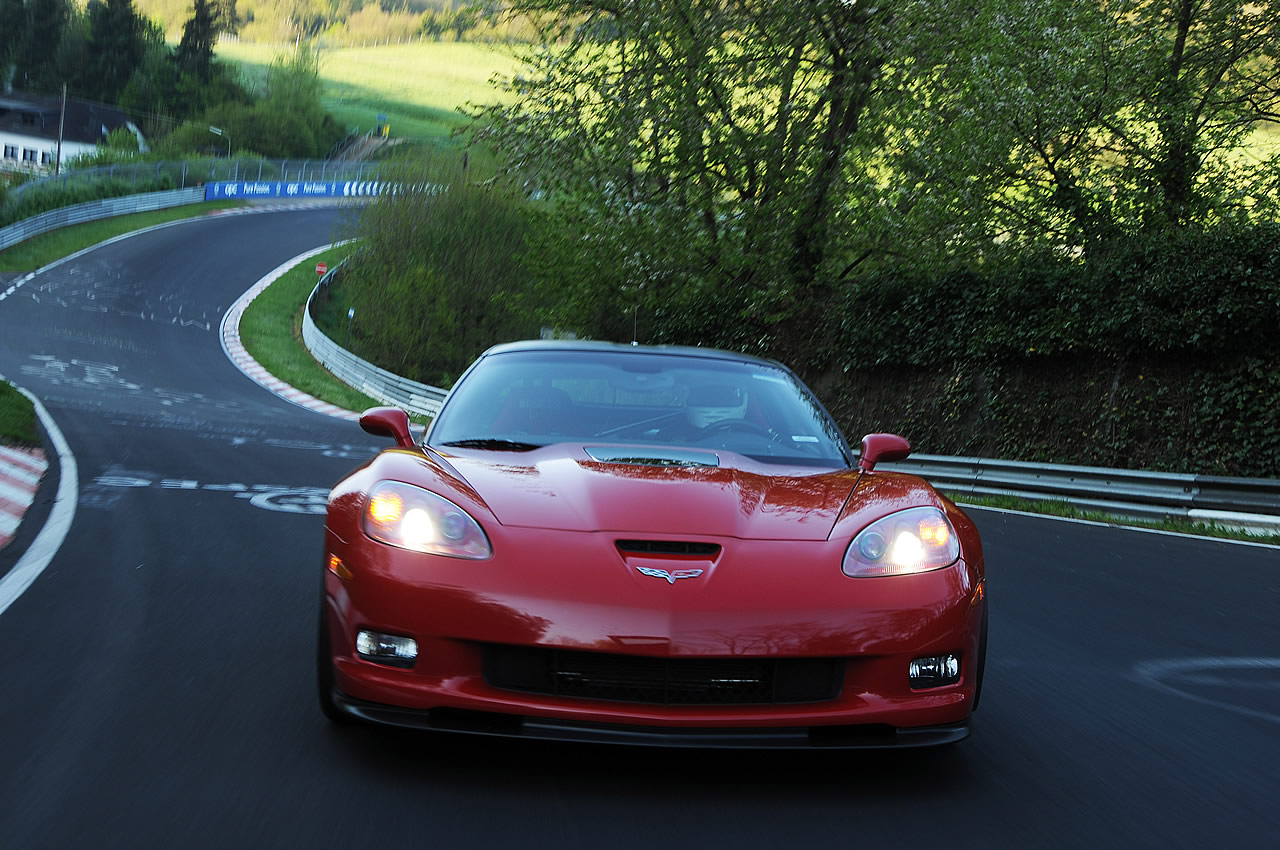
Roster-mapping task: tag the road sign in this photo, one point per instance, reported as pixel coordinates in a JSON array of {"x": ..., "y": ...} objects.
[{"x": 321, "y": 268}]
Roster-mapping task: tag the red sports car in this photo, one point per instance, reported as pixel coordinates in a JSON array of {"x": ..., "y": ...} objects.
[{"x": 647, "y": 545}]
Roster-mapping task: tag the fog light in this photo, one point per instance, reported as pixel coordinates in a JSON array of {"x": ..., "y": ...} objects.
[
  {"x": 934, "y": 671},
  {"x": 386, "y": 649}
]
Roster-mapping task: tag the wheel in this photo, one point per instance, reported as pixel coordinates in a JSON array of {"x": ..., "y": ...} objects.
[{"x": 324, "y": 673}]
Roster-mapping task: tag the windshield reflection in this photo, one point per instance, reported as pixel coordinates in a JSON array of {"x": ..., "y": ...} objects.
[{"x": 519, "y": 400}]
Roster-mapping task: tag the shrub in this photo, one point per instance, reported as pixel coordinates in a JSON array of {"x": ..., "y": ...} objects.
[{"x": 440, "y": 279}]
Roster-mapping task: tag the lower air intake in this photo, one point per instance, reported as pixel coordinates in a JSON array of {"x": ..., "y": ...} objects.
[{"x": 663, "y": 681}]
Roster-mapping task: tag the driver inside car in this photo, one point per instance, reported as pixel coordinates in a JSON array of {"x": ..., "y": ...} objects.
[{"x": 705, "y": 407}]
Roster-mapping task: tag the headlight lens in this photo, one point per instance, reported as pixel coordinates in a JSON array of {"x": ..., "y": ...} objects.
[
  {"x": 412, "y": 518},
  {"x": 911, "y": 541}
]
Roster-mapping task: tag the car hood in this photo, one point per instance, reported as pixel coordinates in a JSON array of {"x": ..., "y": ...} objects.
[{"x": 560, "y": 487}]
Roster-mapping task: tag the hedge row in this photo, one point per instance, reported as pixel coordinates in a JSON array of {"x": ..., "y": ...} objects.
[
  {"x": 1186, "y": 293},
  {"x": 1161, "y": 353}
]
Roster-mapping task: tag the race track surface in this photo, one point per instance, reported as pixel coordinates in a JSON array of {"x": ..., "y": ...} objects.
[{"x": 157, "y": 677}]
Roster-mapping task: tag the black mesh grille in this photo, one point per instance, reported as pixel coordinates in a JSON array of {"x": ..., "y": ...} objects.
[
  {"x": 663, "y": 681},
  {"x": 669, "y": 547}
]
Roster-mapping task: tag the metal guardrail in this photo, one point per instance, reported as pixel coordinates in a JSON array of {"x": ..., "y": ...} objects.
[
  {"x": 371, "y": 380},
  {"x": 1115, "y": 491},
  {"x": 184, "y": 172},
  {"x": 94, "y": 210}
]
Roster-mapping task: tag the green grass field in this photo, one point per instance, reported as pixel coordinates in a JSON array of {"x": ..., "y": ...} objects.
[
  {"x": 417, "y": 86},
  {"x": 271, "y": 330},
  {"x": 17, "y": 418}
]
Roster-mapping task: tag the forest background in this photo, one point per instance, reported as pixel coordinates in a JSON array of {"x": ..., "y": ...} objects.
[{"x": 1037, "y": 230}]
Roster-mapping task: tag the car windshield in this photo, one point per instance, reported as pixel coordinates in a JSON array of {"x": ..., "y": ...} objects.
[{"x": 520, "y": 400}]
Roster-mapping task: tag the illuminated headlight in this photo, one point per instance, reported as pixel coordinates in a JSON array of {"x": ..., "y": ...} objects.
[
  {"x": 934, "y": 671},
  {"x": 912, "y": 541},
  {"x": 412, "y": 518},
  {"x": 386, "y": 649}
]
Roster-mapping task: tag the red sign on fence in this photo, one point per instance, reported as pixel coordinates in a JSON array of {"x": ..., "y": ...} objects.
[{"x": 321, "y": 268}]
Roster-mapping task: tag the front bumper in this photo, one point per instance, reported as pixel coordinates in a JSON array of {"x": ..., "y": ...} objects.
[
  {"x": 768, "y": 600},
  {"x": 537, "y": 728}
]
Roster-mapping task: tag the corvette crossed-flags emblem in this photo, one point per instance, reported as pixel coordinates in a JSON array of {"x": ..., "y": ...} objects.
[{"x": 669, "y": 576}]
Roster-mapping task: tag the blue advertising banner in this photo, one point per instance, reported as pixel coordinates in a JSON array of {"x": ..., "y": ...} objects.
[{"x": 290, "y": 190}]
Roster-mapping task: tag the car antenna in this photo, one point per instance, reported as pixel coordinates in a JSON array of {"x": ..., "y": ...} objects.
[{"x": 635, "y": 324}]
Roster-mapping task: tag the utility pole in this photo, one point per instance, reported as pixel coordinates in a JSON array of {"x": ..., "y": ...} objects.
[{"x": 62, "y": 120}]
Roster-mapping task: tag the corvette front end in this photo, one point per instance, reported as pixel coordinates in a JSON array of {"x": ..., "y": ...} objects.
[{"x": 590, "y": 590}]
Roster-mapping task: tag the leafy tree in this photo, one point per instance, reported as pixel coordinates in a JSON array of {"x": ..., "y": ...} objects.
[
  {"x": 194, "y": 55},
  {"x": 226, "y": 18},
  {"x": 34, "y": 47},
  {"x": 13, "y": 23},
  {"x": 1216, "y": 75},
  {"x": 462, "y": 20},
  {"x": 697, "y": 156},
  {"x": 153, "y": 93},
  {"x": 432, "y": 24},
  {"x": 115, "y": 48},
  {"x": 1081, "y": 123}
]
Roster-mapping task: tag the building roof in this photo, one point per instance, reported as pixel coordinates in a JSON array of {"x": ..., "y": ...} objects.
[{"x": 37, "y": 116}]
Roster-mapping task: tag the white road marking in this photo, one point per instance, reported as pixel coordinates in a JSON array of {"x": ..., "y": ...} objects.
[
  {"x": 229, "y": 335},
  {"x": 42, "y": 550},
  {"x": 1176, "y": 675},
  {"x": 284, "y": 498}
]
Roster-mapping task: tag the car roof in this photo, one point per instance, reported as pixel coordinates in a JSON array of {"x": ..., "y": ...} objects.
[{"x": 629, "y": 348}]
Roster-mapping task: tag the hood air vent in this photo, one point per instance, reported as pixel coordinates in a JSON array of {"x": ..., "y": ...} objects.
[
  {"x": 669, "y": 547},
  {"x": 651, "y": 456}
]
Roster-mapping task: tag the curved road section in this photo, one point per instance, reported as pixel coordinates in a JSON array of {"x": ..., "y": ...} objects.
[{"x": 157, "y": 676}]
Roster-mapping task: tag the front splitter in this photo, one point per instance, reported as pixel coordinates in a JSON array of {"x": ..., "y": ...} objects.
[{"x": 466, "y": 722}]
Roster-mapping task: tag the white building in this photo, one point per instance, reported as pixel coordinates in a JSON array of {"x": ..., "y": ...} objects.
[{"x": 29, "y": 130}]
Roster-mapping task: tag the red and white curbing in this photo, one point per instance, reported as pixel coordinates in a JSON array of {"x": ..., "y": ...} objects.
[
  {"x": 244, "y": 361},
  {"x": 20, "y": 474}
]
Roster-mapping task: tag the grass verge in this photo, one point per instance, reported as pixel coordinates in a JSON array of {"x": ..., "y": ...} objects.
[
  {"x": 1054, "y": 507},
  {"x": 17, "y": 418},
  {"x": 417, "y": 87},
  {"x": 271, "y": 331},
  {"x": 44, "y": 249}
]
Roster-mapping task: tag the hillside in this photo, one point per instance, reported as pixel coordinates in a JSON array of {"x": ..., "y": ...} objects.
[{"x": 418, "y": 87}]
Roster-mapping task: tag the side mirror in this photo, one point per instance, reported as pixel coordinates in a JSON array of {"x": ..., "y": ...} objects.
[
  {"x": 882, "y": 447},
  {"x": 388, "y": 422}
]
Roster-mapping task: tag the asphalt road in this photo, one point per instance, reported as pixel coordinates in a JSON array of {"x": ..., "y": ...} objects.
[{"x": 156, "y": 681}]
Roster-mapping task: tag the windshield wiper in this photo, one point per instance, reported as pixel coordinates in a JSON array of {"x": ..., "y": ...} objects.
[{"x": 492, "y": 444}]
